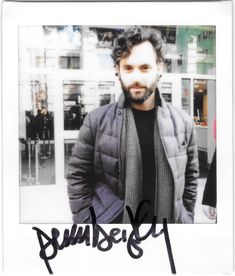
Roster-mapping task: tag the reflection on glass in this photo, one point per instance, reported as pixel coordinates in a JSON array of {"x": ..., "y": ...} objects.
[
  {"x": 43, "y": 58},
  {"x": 200, "y": 102},
  {"x": 69, "y": 61},
  {"x": 51, "y": 47},
  {"x": 185, "y": 100},
  {"x": 81, "y": 98},
  {"x": 166, "y": 91},
  {"x": 106, "y": 93},
  {"x": 105, "y": 36},
  {"x": 36, "y": 129},
  {"x": 189, "y": 49},
  {"x": 102, "y": 42},
  {"x": 74, "y": 112}
]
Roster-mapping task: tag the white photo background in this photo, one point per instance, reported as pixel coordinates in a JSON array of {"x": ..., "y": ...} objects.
[{"x": 35, "y": 78}]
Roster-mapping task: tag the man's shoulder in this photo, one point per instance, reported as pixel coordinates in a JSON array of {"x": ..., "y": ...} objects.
[
  {"x": 103, "y": 111},
  {"x": 180, "y": 114}
]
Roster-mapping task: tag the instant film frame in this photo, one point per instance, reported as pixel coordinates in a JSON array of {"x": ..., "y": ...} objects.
[
  {"x": 196, "y": 248},
  {"x": 73, "y": 65}
]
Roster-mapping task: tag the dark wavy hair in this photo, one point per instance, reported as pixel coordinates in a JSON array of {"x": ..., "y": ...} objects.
[{"x": 134, "y": 36}]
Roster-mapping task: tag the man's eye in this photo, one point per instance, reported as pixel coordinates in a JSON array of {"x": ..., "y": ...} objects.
[
  {"x": 128, "y": 68},
  {"x": 145, "y": 67}
]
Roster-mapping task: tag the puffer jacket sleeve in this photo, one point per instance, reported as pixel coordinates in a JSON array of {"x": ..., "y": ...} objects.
[
  {"x": 80, "y": 174},
  {"x": 191, "y": 174}
]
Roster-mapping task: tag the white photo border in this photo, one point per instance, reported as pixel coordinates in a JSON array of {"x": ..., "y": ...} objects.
[{"x": 196, "y": 248}]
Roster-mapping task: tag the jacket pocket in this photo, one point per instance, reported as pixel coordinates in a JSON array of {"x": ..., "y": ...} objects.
[
  {"x": 106, "y": 204},
  {"x": 183, "y": 147}
]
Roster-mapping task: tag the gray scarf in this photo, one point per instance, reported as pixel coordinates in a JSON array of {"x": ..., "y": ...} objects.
[{"x": 132, "y": 166}]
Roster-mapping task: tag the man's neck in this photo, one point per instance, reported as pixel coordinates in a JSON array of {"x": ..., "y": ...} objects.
[{"x": 147, "y": 105}]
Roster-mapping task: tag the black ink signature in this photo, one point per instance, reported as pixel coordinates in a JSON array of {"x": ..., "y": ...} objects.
[{"x": 78, "y": 235}]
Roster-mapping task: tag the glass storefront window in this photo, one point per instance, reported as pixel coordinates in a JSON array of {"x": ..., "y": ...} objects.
[
  {"x": 51, "y": 46},
  {"x": 200, "y": 102},
  {"x": 185, "y": 99},
  {"x": 165, "y": 89},
  {"x": 81, "y": 98},
  {"x": 106, "y": 93},
  {"x": 74, "y": 112},
  {"x": 196, "y": 49},
  {"x": 103, "y": 42},
  {"x": 69, "y": 62},
  {"x": 36, "y": 132},
  {"x": 189, "y": 49}
]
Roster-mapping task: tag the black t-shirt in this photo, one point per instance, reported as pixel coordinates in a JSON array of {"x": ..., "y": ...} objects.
[{"x": 144, "y": 121}]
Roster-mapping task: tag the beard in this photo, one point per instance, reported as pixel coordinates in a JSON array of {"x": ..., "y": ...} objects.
[{"x": 137, "y": 99}]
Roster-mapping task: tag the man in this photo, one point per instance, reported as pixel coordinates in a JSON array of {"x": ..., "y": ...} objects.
[{"x": 137, "y": 149}]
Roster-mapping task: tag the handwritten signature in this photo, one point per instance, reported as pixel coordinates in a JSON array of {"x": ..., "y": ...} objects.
[{"x": 78, "y": 235}]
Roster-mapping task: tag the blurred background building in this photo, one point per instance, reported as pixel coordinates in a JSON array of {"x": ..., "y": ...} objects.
[{"x": 67, "y": 71}]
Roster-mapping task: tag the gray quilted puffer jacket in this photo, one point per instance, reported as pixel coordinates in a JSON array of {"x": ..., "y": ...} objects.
[{"x": 95, "y": 173}]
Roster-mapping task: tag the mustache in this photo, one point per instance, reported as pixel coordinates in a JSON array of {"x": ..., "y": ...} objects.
[{"x": 136, "y": 85}]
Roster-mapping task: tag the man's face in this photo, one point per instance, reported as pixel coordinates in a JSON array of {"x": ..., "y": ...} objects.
[{"x": 138, "y": 72}]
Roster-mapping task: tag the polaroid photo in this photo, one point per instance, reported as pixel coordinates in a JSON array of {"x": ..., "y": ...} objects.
[{"x": 117, "y": 138}]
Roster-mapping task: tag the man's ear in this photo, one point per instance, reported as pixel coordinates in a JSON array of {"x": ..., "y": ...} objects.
[{"x": 117, "y": 71}]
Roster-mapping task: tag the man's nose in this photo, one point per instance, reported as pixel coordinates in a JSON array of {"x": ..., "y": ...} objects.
[{"x": 136, "y": 76}]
